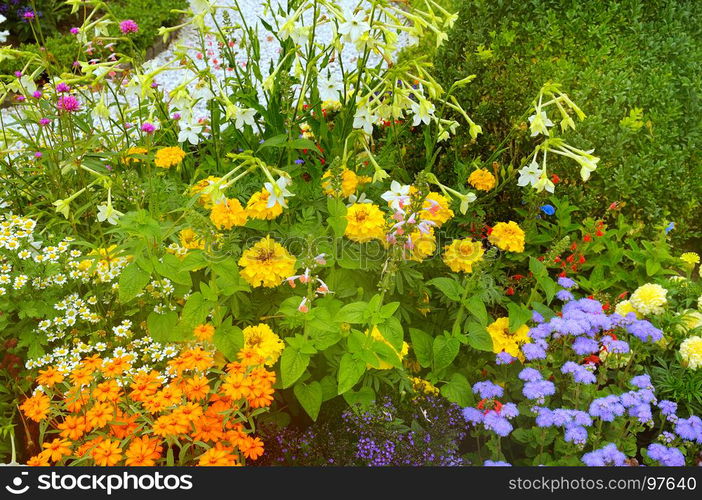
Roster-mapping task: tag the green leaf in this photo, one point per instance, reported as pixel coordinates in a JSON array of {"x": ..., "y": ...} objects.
[
  {"x": 162, "y": 327},
  {"x": 328, "y": 384},
  {"x": 364, "y": 397},
  {"x": 132, "y": 281},
  {"x": 449, "y": 287},
  {"x": 351, "y": 370},
  {"x": 195, "y": 311},
  {"x": 229, "y": 340},
  {"x": 310, "y": 397},
  {"x": 457, "y": 390},
  {"x": 389, "y": 309},
  {"x": 476, "y": 307},
  {"x": 518, "y": 316},
  {"x": 293, "y": 363},
  {"x": 422, "y": 346},
  {"x": 355, "y": 312},
  {"x": 478, "y": 337},
  {"x": 171, "y": 267},
  {"x": 445, "y": 350},
  {"x": 391, "y": 330},
  {"x": 653, "y": 267}
]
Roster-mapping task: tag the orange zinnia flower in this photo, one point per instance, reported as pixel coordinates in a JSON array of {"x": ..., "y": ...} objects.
[
  {"x": 49, "y": 377},
  {"x": 108, "y": 391},
  {"x": 57, "y": 449},
  {"x": 36, "y": 407},
  {"x": 116, "y": 367},
  {"x": 208, "y": 429},
  {"x": 99, "y": 415},
  {"x": 188, "y": 412},
  {"x": 81, "y": 376},
  {"x": 204, "y": 332},
  {"x": 235, "y": 386},
  {"x": 124, "y": 425},
  {"x": 196, "y": 387},
  {"x": 107, "y": 453},
  {"x": 92, "y": 363},
  {"x": 88, "y": 445},
  {"x": 76, "y": 399},
  {"x": 73, "y": 427},
  {"x": 251, "y": 447},
  {"x": 220, "y": 455},
  {"x": 143, "y": 451},
  {"x": 144, "y": 386},
  {"x": 40, "y": 460}
]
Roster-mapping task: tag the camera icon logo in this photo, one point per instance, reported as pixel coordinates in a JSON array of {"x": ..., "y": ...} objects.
[{"x": 16, "y": 488}]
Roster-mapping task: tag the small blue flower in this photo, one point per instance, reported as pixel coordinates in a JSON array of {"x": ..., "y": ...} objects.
[
  {"x": 548, "y": 209},
  {"x": 669, "y": 227}
]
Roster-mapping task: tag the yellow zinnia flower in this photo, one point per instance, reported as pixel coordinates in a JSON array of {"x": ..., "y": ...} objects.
[
  {"x": 690, "y": 258},
  {"x": 349, "y": 183},
  {"x": 437, "y": 209},
  {"x": 460, "y": 255},
  {"x": 366, "y": 222},
  {"x": 257, "y": 207},
  {"x": 131, "y": 152},
  {"x": 691, "y": 352},
  {"x": 264, "y": 342},
  {"x": 507, "y": 236},
  {"x": 168, "y": 157},
  {"x": 482, "y": 180},
  {"x": 625, "y": 307},
  {"x": 424, "y": 245},
  {"x": 190, "y": 240},
  {"x": 227, "y": 214},
  {"x": 649, "y": 299},
  {"x": 267, "y": 264},
  {"x": 505, "y": 340}
]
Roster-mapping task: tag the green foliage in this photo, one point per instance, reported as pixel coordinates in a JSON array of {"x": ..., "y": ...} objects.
[{"x": 631, "y": 63}]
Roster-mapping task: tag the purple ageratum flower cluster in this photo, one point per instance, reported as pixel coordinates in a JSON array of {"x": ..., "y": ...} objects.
[
  {"x": 690, "y": 429},
  {"x": 535, "y": 350},
  {"x": 535, "y": 387},
  {"x": 606, "y": 456},
  {"x": 504, "y": 358},
  {"x": 644, "y": 331},
  {"x": 581, "y": 374},
  {"x": 668, "y": 409},
  {"x": 667, "y": 437},
  {"x": 567, "y": 282},
  {"x": 488, "y": 390},
  {"x": 496, "y": 463},
  {"x": 564, "y": 295},
  {"x": 494, "y": 420},
  {"x": 670, "y": 457},
  {"x": 583, "y": 346},
  {"x": 607, "y": 408},
  {"x": 573, "y": 421},
  {"x": 615, "y": 346},
  {"x": 538, "y": 390},
  {"x": 642, "y": 382}
]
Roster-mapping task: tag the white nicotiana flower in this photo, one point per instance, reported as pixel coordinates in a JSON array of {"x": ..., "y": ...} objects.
[
  {"x": 423, "y": 112},
  {"x": 529, "y": 174},
  {"x": 354, "y": 26},
  {"x": 397, "y": 196},
  {"x": 329, "y": 88},
  {"x": 189, "y": 131},
  {"x": 364, "y": 119},
  {"x": 539, "y": 123},
  {"x": 278, "y": 192}
]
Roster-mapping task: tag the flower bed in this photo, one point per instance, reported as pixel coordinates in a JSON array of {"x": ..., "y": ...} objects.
[{"x": 238, "y": 269}]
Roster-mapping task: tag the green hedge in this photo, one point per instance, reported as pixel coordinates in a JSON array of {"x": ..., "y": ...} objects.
[
  {"x": 150, "y": 15},
  {"x": 612, "y": 58}
]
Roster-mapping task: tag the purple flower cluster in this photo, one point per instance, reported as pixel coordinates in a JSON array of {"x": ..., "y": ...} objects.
[
  {"x": 606, "y": 456},
  {"x": 488, "y": 390},
  {"x": 668, "y": 409},
  {"x": 496, "y": 463},
  {"x": 573, "y": 421},
  {"x": 671, "y": 457},
  {"x": 607, "y": 408},
  {"x": 535, "y": 387},
  {"x": 581, "y": 374},
  {"x": 689, "y": 429},
  {"x": 493, "y": 420}
]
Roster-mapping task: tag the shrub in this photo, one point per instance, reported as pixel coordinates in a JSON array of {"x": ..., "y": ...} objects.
[{"x": 631, "y": 62}]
